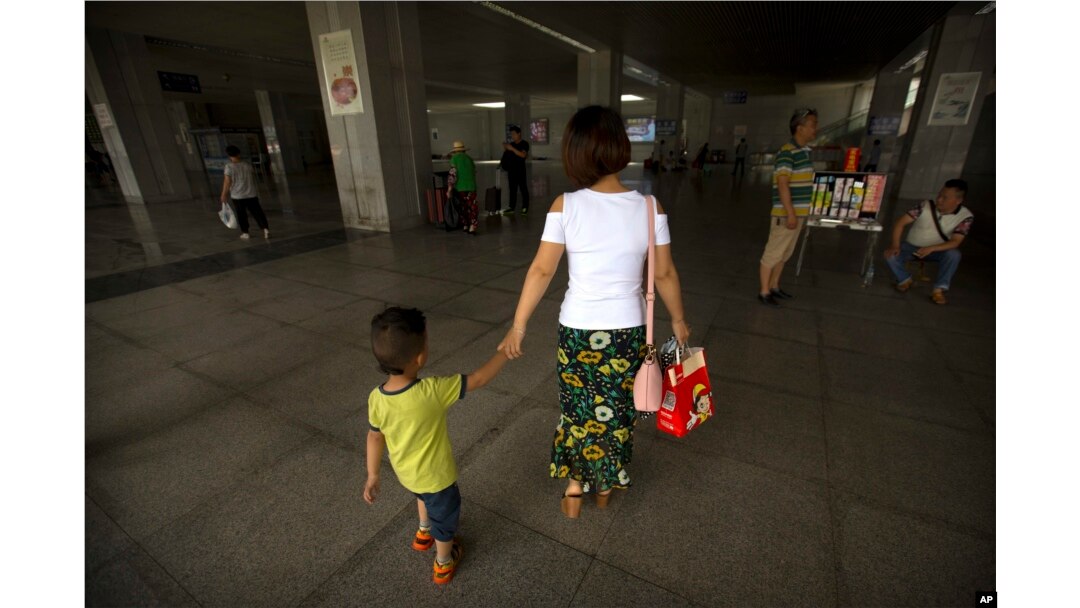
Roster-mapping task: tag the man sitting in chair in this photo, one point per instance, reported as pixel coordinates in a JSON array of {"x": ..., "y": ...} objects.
[{"x": 937, "y": 229}]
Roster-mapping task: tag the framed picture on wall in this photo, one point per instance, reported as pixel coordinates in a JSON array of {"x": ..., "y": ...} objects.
[
  {"x": 953, "y": 100},
  {"x": 538, "y": 131}
]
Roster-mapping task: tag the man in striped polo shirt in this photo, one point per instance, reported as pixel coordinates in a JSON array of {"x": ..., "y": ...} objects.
[{"x": 792, "y": 186}]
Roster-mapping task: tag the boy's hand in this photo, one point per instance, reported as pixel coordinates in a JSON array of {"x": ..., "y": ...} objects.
[{"x": 371, "y": 490}]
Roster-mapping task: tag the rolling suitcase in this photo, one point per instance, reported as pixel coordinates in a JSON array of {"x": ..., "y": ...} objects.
[{"x": 493, "y": 196}]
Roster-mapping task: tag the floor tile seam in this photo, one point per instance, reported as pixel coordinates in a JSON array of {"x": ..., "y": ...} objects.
[
  {"x": 123, "y": 337},
  {"x": 739, "y": 381},
  {"x": 938, "y": 522},
  {"x": 160, "y": 430},
  {"x": 844, "y": 315},
  {"x": 118, "y": 552},
  {"x": 297, "y": 324},
  {"x": 823, "y": 399},
  {"x": 243, "y": 478},
  {"x": 978, "y": 434},
  {"x": 255, "y": 338},
  {"x": 957, "y": 378},
  {"x": 731, "y": 380},
  {"x": 728, "y": 455},
  {"x": 476, "y": 340},
  {"x": 854, "y": 351},
  {"x": 313, "y": 431},
  {"x": 360, "y": 550},
  {"x": 475, "y": 450},
  {"x": 721, "y": 327},
  {"x": 144, "y": 342},
  {"x": 528, "y": 527},
  {"x": 122, "y": 555},
  {"x": 644, "y": 580},
  {"x": 217, "y": 257}
]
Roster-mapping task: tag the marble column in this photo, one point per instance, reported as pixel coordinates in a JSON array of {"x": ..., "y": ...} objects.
[
  {"x": 965, "y": 43},
  {"x": 670, "y": 102},
  {"x": 271, "y": 108},
  {"x": 600, "y": 79},
  {"x": 124, "y": 90},
  {"x": 382, "y": 159}
]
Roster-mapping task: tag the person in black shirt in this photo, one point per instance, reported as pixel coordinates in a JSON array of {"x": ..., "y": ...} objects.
[{"x": 513, "y": 161}]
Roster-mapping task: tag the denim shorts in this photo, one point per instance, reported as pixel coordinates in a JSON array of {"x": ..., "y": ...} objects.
[{"x": 444, "y": 510}]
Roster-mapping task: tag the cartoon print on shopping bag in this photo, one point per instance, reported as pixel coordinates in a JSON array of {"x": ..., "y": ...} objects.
[{"x": 702, "y": 406}]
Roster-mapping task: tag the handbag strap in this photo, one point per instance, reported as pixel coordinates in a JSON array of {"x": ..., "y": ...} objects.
[
  {"x": 937, "y": 221},
  {"x": 650, "y": 293}
]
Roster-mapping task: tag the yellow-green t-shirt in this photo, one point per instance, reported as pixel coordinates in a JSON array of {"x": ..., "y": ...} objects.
[{"x": 413, "y": 421}]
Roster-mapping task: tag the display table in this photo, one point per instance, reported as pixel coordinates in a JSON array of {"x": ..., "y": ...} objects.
[{"x": 871, "y": 227}]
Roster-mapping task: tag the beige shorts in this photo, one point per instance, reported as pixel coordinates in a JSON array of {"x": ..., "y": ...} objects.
[{"x": 781, "y": 241}]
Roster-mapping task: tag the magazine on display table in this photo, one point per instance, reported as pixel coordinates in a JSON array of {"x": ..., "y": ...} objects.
[{"x": 846, "y": 200}]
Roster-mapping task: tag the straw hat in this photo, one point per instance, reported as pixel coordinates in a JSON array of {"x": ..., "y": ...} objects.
[{"x": 459, "y": 146}]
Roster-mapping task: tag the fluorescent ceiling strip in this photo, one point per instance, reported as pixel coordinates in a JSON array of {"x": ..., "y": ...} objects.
[
  {"x": 989, "y": 8},
  {"x": 631, "y": 98},
  {"x": 493, "y": 104},
  {"x": 910, "y": 62},
  {"x": 537, "y": 26}
]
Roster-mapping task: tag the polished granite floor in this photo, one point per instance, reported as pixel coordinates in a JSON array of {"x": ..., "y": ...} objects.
[{"x": 851, "y": 461}]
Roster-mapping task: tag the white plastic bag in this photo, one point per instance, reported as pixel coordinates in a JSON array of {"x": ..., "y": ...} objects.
[{"x": 227, "y": 216}]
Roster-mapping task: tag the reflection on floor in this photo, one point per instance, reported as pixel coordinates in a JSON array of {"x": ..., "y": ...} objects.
[{"x": 851, "y": 461}]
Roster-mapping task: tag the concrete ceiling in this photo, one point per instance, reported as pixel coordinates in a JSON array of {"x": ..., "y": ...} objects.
[{"x": 472, "y": 53}]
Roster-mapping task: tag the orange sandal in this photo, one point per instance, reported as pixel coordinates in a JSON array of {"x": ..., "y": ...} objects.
[
  {"x": 571, "y": 505},
  {"x": 602, "y": 499},
  {"x": 444, "y": 573},
  {"x": 423, "y": 541}
]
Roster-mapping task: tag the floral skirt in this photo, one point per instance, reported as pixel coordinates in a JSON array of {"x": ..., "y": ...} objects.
[{"x": 594, "y": 439}]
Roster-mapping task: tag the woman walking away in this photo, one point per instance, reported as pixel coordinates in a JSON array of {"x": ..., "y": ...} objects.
[{"x": 604, "y": 229}]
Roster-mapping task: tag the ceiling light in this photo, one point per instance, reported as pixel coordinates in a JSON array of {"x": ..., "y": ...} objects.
[
  {"x": 989, "y": 8},
  {"x": 631, "y": 98},
  {"x": 537, "y": 26},
  {"x": 910, "y": 62},
  {"x": 492, "y": 104}
]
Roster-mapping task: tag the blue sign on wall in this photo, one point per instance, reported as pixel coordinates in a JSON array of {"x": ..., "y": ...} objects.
[
  {"x": 666, "y": 128},
  {"x": 179, "y": 83},
  {"x": 734, "y": 96},
  {"x": 883, "y": 125}
]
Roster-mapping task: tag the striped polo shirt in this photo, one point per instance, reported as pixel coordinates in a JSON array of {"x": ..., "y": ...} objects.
[{"x": 793, "y": 161}]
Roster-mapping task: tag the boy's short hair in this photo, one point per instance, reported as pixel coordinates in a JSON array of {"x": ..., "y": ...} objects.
[
  {"x": 515, "y": 129},
  {"x": 397, "y": 337},
  {"x": 594, "y": 144},
  {"x": 958, "y": 184},
  {"x": 232, "y": 151}
]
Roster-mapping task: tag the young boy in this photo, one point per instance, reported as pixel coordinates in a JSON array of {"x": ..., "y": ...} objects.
[
  {"x": 408, "y": 416},
  {"x": 240, "y": 183}
]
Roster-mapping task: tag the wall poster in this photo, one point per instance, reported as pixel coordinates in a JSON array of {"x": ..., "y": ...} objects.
[
  {"x": 954, "y": 98},
  {"x": 339, "y": 67}
]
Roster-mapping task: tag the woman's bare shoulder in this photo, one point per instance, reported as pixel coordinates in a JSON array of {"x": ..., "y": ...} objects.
[{"x": 556, "y": 207}]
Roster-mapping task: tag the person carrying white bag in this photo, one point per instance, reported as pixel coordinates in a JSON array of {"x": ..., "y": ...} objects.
[{"x": 240, "y": 184}]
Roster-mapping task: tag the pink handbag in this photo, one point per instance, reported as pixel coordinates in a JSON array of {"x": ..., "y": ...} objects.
[{"x": 649, "y": 383}]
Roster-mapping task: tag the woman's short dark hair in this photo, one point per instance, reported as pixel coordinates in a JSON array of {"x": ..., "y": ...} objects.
[
  {"x": 594, "y": 145},
  {"x": 397, "y": 337}
]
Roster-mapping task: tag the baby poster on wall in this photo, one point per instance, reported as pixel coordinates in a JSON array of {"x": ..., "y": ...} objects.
[{"x": 339, "y": 67}]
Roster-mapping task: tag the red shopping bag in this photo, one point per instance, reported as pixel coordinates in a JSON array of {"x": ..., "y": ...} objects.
[{"x": 688, "y": 399}]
